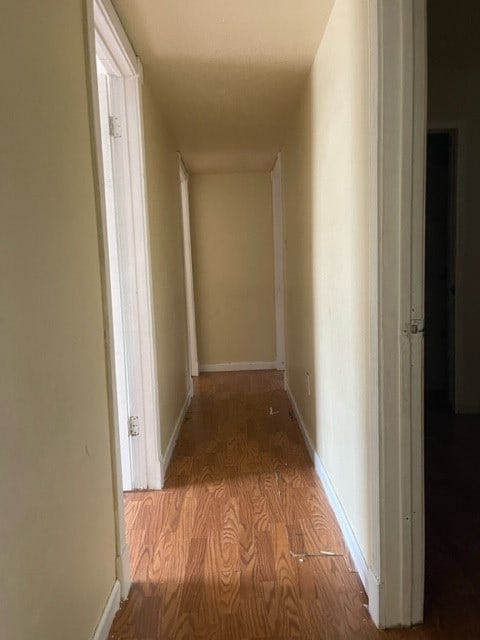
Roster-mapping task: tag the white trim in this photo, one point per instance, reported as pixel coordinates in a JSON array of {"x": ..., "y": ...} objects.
[
  {"x": 238, "y": 366},
  {"x": 122, "y": 227},
  {"x": 187, "y": 258},
  {"x": 368, "y": 578},
  {"x": 133, "y": 241},
  {"x": 144, "y": 285},
  {"x": 374, "y": 320},
  {"x": 182, "y": 169},
  {"x": 102, "y": 630},
  {"x": 120, "y": 380},
  {"x": 277, "y": 208},
  {"x": 396, "y": 451},
  {"x": 174, "y": 437},
  {"x": 414, "y": 366},
  {"x": 390, "y": 211},
  {"x": 120, "y": 533},
  {"x": 113, "y": 47}
]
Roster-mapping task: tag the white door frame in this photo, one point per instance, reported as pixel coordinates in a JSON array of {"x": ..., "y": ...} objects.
[
  {"x": 398, "y": 135},
  {"x": 277, "y": 208},
  {"x": 120, "y": 355},
  {"x": 132, "y": 240},
  {"x": 187, "y": 257},
  {"x": 277, "y": 212},
  {"x": 107, "y": 40}
]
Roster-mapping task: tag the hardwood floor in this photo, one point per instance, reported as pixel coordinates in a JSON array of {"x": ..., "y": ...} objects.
[{"x": 232, "y": 547}]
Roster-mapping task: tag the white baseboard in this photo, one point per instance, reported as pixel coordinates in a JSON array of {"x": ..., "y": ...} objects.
[
  {"x": 237, "y": 366},
  {"x": 167, "y": 456},
  {"x": 369, "y": 580},
  {"x": 112, "y": 605}
]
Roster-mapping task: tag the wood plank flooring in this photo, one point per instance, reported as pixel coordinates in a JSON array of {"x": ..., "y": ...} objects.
[{"x": 230, "y": 548}]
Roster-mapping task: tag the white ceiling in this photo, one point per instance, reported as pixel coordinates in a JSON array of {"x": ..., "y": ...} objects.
[{"x": 227, "y": 73}]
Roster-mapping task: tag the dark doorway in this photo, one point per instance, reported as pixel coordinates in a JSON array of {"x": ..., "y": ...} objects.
[{"x": 439, "y": 270}]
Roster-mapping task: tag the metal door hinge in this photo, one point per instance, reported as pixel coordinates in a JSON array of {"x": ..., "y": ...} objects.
[
  {"x": 414, "y": 326},
  {"x": 134, "y": 426},
  {"x": 114, "y": 126}
]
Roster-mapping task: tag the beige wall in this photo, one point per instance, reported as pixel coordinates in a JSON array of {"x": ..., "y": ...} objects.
[
  {"x": 325, "y": 187},
  {"x": 454, "y": 101},
  {"x": 233, "y": 267},
  {"x": 57, "y": 546},
  {"x": 165, "y": 218}
]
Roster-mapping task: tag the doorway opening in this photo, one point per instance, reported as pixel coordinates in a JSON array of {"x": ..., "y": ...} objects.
[
  {"x": 439, "y": 347},
  {"x": 127, "y": 254},
  {"x": 187, "y": 258},
  {"x": 115, "y": 81},
  {"x": 440, "y": 269},
  {"x": 451, "y": 437}
]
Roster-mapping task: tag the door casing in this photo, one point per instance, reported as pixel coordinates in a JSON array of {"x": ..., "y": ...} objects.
[
  {"x": 398, "y": 63},
  {"x": 187, "y": 261},
  {"x": 106, "y": 39}
]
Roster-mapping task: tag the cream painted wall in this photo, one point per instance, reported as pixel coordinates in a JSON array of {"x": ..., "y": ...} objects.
[
  {"x": 233, "y": 267},
  {"x": 325, "y": 189},
  {"x": 164, "y": 209},
  {"x": 57, "y": 538},
  {"x": 454, "y": 99}
]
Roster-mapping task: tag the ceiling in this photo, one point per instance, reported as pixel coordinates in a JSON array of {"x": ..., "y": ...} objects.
[{"x": 226, "y": 73}]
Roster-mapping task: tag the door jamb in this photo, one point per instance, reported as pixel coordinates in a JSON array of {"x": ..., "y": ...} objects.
[
  {"x": 187, "y": 257},
  {"x": 398, "y": 134},
  {"x": 100, "y": 15},
  {"x": 277, "y": 208},
  {"x": 117, "y": 52},
  {"x": 120, "y": 370},
  {"x": 122, "y": 553}
]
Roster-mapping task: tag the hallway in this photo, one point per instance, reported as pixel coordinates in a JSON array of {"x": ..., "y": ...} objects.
[
  {"x": 228, "y": 549},
  {"x": 233, "y": 187}
]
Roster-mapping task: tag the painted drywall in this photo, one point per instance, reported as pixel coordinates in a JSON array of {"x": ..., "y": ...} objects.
[
  {"x": 57, "y": 536},
  {"x": 325, "y": 189},
  {"x": 227, "y": 74},
  {"x": 166, "y": 244},
  {"x": 233, "y": 267},
  {"x": 454, "y": 101}
]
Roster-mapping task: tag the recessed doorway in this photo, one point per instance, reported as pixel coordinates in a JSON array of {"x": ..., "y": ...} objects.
[{"x": 440, "y": 269}]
